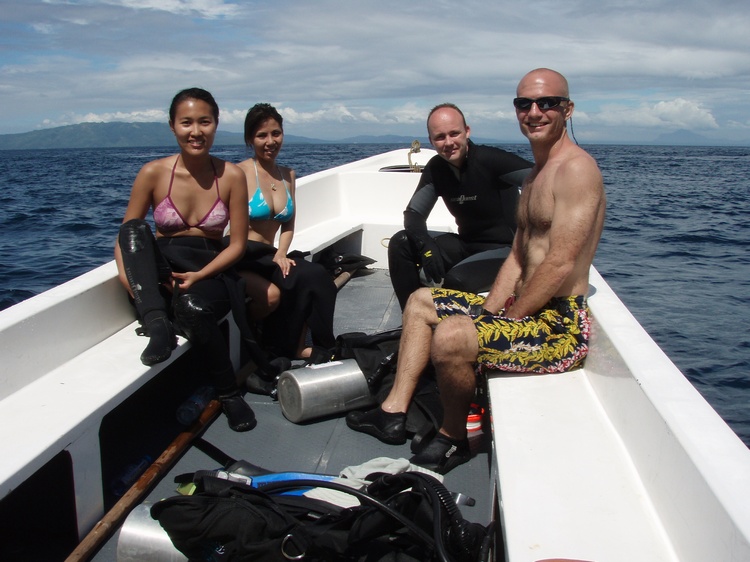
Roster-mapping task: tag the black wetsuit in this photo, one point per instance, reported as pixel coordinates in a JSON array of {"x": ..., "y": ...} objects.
[
  {"x": 482, "y": 197},
  {"x": 149, "y": 263},
  {"x": 308, "y": 300}
]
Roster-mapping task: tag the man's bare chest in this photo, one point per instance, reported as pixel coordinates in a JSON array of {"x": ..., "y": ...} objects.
[{"x": 536, "y": 207}]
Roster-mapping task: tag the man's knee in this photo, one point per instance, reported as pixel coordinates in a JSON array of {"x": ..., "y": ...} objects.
[
  {"x": 455, "y": 341},
  {"x": 397, "y": 240},
  {"x": 194, "y": 317},
  {"x": 400, "y": 248},
  {"x": 420, "y": 303}
]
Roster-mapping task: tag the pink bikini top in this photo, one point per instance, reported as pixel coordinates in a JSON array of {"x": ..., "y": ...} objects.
[{"x": 168, "y": 219}]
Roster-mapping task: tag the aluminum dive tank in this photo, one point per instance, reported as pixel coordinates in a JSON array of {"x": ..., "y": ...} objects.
[
  {"x": 321, "y": 390},
  {"x": 143, "y": 538}
]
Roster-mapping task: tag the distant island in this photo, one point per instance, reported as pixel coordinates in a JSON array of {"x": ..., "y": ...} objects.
[
  {"x": 131, "y": 135},
  {"x": 683, "y": 137}
]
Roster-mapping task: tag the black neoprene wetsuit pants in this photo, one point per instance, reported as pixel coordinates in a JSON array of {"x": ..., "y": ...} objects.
[
  {"x": 308, "y": 298},
  {"x": 194, "y": 313}
]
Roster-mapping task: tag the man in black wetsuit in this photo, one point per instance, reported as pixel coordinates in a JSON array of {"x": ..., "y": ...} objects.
[{"x": 479, "y": 185}]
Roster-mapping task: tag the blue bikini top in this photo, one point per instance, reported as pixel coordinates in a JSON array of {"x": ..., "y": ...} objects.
[{"x": 259, "y": 209}]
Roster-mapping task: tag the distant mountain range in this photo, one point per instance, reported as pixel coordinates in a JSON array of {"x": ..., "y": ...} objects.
[
  {"x": 683, "y": 137},
  {"x": 128, "y": 135}
]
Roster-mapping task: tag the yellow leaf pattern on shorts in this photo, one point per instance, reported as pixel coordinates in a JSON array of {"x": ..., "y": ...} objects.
[{"x": 552, "y": 341}]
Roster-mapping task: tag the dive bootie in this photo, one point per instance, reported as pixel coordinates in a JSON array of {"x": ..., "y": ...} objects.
[
  {"x": 162, "y": 339},
  {"x": 240, "y": 415},
  {"x": 443, "y": 454},
  {"x": 388, "y": 427}
]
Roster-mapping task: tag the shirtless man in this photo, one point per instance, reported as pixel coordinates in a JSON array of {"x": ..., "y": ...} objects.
[{"x": 535, "y": 318}]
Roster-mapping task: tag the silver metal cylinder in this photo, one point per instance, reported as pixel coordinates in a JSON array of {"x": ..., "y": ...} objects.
[
  {"x": 143, "y": 538},
  {"x": 320, "y": 390}
]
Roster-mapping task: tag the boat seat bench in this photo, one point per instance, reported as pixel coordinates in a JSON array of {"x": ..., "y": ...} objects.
[
  {"x": 567, "y": 488},
  {"x": 62, "y": 408},
  {"x": 317, "y": 238}
]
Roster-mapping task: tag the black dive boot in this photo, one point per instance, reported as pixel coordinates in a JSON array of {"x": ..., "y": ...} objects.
[
  {"x": 162, "y": 339},
  {"x": 142, "y": 268},
  {"x": 240, "y": 415},
  {"x": 194, "y": 317}
]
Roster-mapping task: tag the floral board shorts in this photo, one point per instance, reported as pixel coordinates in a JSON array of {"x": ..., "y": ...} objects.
[{"x": 553, "y": 340}]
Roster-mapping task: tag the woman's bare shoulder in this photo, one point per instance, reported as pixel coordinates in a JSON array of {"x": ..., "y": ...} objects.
[
  {"x": 288, "y": 173},
  {"x": 235, "y": 169},
  {"x": 158, "y": 167},
  {"x": 246, "y": 165},
  {"x": 229, "y": 170}
]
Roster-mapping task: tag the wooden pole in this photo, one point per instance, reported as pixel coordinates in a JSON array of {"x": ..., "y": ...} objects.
[
  {"x": 342, "y": 278},
  {"x": 112, "y": 520}
]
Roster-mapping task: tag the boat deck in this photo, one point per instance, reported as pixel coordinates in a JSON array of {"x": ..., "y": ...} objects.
[{"x": 366, "y": 304}]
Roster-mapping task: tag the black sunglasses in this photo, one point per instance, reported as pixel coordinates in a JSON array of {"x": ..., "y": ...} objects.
[{"x": 545, "y": 103}]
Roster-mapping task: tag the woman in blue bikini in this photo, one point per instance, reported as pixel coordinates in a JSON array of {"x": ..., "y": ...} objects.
[{"x": 292, "y": 295}]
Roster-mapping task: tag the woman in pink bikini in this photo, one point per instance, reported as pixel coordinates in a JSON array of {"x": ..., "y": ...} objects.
[{"x": 180, "y": 281}]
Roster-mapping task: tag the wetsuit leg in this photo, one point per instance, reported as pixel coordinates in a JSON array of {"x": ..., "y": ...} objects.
[
  {"x": 145, "y": 270},
  {"x": 312, "y": 292},
  {"x": 403, "y": 258},
  {"x": 308, "y": 298},
  {"x": 196, "y": 316},
  {"x": 402, "y": 266}
]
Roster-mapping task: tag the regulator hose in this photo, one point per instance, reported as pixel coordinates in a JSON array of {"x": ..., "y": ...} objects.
[
  {"x": 465, "y": 539},
  {"x": 363, "y": 497}
]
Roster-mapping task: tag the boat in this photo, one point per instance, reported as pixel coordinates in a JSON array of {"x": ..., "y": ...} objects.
[{"x": 620, "y": 460}]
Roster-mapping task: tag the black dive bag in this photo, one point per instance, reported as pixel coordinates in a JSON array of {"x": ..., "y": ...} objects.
[{"x": 401, "y": 518}]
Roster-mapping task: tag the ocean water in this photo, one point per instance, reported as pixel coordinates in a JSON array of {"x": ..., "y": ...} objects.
[{"x": 674, "y": 248}]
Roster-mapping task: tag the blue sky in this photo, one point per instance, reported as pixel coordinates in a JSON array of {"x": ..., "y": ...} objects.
[{"x": 637, "y": 68}]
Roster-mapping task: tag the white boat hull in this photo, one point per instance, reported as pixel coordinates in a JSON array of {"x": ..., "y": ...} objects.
[{"x": 587, "y": 464}]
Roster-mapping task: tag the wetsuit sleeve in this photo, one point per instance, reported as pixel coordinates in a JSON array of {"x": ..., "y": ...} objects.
[
  {"x": 421, "y": 204},
  {"x": 419, "y": 208},
  {"x": 415, "y": 224},
  {"x": 510, "y": 168}
]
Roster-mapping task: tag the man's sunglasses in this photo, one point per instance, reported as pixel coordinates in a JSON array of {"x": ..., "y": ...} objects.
[{"x": 545, "y": 103}]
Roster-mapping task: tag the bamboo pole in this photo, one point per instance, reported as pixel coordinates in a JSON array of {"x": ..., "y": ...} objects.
[
  {"x": 112, "y": 520},
  {"x": 343, "y": 277}
]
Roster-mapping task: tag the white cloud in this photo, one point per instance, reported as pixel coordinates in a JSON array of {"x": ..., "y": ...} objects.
[
  {"x": 205, "y": 8},
  {"x": 685, "y": 114},
  {"x": 365, "y": 67},
  {"x": 337, "y": 113},
  {"x": 677, "y": 113},
  {"x": 743, "y": 125},
  {"x": 43, "y": 28},
  {"x": 145, "y": 116},
  {"x": 235, "y": 118}
]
